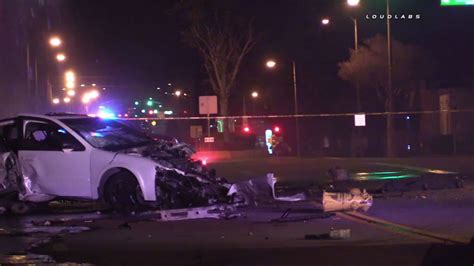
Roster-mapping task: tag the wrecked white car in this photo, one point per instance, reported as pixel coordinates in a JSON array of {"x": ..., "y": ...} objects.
[{"x": 81, "y": 157}]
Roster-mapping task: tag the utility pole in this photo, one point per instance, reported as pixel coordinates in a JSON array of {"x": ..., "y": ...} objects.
[
  {"x": 389, "y": 86},
  {"x": 356, "y": 48},
  {"x": 296, "y": 111}
]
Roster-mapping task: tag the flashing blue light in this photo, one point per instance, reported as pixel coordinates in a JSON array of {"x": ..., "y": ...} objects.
[{"x": 97, "y": 134}]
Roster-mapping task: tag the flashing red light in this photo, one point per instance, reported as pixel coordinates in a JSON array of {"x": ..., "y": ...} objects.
[
  {"x": 276, "y": 129},
  {"x": 150, "y": 112},
  {"x": 126, "y": 115},
  {"x": 204, "y": 162},
  {"x": 246, "y": 129}
]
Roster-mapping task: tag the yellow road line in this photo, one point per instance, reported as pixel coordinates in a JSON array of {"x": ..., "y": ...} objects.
[{"x": 401, "y": 229}]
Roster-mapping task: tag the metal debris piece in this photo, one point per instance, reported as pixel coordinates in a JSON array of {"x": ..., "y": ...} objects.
[
  {"x": 223, "y": 211},
  {"x": 26, "y": 259},
  {"x": 286, "y": 218},
  {"x": 334, "y": 234},
  {"x": 261, "y": 189},
  {"x": 354, "y": 200}
]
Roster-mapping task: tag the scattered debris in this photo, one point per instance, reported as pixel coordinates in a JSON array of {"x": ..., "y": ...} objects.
[
  {"x": 340, "y": 233},
  {"x": 26, "y": 259},
  {"x": 286, "y": 218},
  {"x": 125, "y": 226},
  {"x": 258, "y": 190},
  {"x": 356, "y": 199},
  {"x": 221, "y": 211},
  {"x": 54, "y": 229},
  {"x": 333, "y": 234}
]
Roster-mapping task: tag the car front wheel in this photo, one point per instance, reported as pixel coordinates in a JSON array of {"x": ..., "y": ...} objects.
[{"x": 122, "y": 192}]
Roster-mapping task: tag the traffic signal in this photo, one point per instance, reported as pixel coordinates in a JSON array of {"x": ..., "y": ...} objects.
[
  {"x": 246, "y": 129},
  {"x": 276, "y": 129}
]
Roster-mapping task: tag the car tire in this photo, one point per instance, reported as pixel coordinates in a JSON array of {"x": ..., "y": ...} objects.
[{"x": 122, "y": 192}]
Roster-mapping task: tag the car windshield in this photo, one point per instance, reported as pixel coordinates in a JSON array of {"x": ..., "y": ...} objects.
[{"x": 107, "y": 134}]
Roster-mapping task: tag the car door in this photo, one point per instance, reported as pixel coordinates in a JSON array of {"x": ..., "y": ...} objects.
[{"x": 55, "y": 162}]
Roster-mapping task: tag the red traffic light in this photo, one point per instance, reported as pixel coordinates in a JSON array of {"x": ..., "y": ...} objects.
[
  {"x": 246, "y": 129},
  {"x": 276, "y": 129}
]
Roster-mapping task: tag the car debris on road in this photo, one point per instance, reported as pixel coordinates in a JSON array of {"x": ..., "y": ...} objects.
[
  {"x": 258, "y": 190},
  {"x": 356, "y": 199}
]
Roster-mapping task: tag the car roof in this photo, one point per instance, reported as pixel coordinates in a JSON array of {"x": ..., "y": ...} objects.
[{"x": 50, "y": 116}]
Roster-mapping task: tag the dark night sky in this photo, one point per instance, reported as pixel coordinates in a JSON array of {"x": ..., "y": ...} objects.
[{"x": 135, "y": 46}]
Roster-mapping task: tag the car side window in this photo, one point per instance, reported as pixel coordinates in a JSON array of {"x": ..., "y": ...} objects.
[
  {"x": 48, "y": 137},
  {"x": 9, "y": 134}
]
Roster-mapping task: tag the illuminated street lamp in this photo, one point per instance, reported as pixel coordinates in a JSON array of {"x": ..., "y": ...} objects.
[
  {"x": 70, "y": 85},
  {"x": 325, "y": 21},
  {"x": 71, "y": 93},
  {"x": 56, "y": 101},
  {"x": 86, "y": 98},
  {"x": 353, "y": 2},
  {"x": 60, "y": 57},
  {"x": 177, "y": 93},
  {"x": 254, "y": 94},
  {"x": 271, "y": 64},
  {"x": 67, "y": 100},
  {"x": 55, "y": 41},
  {"x": 93, "y": 94}
]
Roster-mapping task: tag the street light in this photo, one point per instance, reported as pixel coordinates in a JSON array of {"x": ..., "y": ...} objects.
[
  {"x": 85, "y": 99},
  {"x": 254, "y": 94},
  {"x": 353, "y": 2},
  {"x": 93, "y": 94},
  {"x": 55, "y": 41},
  {"x": 60, "y": 57},
  {"x": 56, "y": 101},
  {"x": 325, "y": 21},
  {"x": 271, "y": 64},
  {"x": 71, "y": 93},
  {"x": 67, "y": 100},
  {"x": 177, "y": 93},
  {"x": 70, "y": 76},
  {"x": 70, "y": 85}
]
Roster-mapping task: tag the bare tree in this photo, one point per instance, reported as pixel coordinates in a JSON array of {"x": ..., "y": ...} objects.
[
  {"x": 368, "y": 66},
  {"x": 223, "y": 44}
]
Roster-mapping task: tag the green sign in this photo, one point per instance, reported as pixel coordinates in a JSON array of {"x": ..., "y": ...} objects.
[{"x": 457, "y": 2}]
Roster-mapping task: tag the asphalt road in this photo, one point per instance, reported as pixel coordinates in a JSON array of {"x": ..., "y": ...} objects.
[{"x": 416, "y": 228}]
